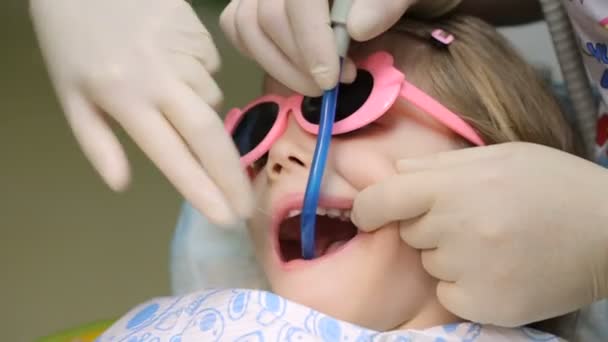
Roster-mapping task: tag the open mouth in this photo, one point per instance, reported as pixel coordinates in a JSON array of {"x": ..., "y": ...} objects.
[{"x": 333, "y": 230}]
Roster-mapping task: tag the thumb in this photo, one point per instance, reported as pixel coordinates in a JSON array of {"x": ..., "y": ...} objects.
[
  {"x": 401, "y": 197},
  {"x": 369, "y": 18}
]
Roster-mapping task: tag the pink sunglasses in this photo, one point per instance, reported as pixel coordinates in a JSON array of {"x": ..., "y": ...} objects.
[{"x": 256, "y": 127}]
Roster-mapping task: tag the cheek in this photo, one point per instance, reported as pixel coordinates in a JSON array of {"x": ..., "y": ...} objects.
[
  {"x": 410, "y": 139},
  {"x": 370, "y": 158},
  {"x": 404, "y": 271},
  {"x": 259, "y": 224},
  {"x": 363, "y": 164}
]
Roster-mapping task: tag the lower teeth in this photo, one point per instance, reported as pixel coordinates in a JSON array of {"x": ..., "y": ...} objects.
[{"x": 334, "y": 246}]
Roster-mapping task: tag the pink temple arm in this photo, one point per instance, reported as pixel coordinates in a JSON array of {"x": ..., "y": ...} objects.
[{"x": 435, "y": 109}]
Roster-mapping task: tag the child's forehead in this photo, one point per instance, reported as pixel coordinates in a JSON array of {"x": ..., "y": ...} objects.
[{"x": 271, "y": 86}]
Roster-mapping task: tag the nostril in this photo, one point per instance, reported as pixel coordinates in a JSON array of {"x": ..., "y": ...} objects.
[
  {"x": 296, "y": 160},
  {"x": 283, "y": 165}
]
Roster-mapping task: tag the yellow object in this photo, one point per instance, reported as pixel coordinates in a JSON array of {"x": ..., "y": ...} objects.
[{"x": 86, "y": 333}]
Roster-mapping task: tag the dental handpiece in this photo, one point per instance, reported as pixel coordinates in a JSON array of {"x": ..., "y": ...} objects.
[{"x": 339, "y": 14}]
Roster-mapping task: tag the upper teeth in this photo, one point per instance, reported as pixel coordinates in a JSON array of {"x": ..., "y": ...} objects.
[
  {"x": 293, "y": 213},
  {"x": 342, "y": 214}
]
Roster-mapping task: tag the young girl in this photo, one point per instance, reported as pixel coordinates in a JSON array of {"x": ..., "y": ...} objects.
[{"x": 422, "y": 88}]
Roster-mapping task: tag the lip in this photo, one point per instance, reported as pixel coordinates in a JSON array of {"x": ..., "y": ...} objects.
[{"x": 295, "y": 201}]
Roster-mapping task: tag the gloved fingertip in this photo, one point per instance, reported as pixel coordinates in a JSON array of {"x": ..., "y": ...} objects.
[
  {"x": 313, "y": 91},
  {"x": 215, "y": 97},
  {"x": 118, "y": 180},
  {"x": 349, "y": 72},
  {"x": 408, "y": 236},
  {"x": 364, "y": 214},
  {"x": 325, "y": 76},
  {"x": 356, "y": 220},
  {"x": 221, "y": 215},
  {"x": 213, "y": 62},
  {"x": 364, "y": 26},
  {"x": 113, "y": 169}
]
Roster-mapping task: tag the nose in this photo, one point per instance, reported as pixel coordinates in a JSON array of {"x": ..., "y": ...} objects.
[{"x": 291, "y": 153}]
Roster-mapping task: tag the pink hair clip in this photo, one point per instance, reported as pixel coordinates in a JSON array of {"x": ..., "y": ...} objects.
[{"x": 442, "y": 37}]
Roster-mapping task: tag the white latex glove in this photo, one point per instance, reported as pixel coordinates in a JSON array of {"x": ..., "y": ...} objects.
[
  {"x": 293, "y": 41},
  {"x": 515, "y": 233},
  {"x": 146, "y": 64}
]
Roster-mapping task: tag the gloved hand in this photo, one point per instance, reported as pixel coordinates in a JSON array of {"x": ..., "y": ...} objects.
[
  {"x": 515, "y": 233},
  {"x": 293, "y": 41},
  {"x": 145, "y": 64}
]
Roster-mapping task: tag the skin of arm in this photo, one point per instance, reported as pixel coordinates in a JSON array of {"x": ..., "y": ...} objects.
[{"x": 502, "y": 12}]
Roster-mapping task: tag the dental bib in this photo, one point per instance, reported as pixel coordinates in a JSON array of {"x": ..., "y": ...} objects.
[{"x": 258, "y": 316}]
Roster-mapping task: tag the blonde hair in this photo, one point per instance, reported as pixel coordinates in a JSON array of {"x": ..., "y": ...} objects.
[{"x": 483, "y": 79}]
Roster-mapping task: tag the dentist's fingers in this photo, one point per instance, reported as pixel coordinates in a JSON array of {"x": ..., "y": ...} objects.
[
  {"x": 273, "y": 20},
  {"x": 192, "y": 38},
  {"x": 349, "y": 71},
  {"x": 311, "y": 26},
  {"x": 403, "y": 197},
  {"x": 228, "y": 25},
  {"x": 195, "y": 75},
  {"x": 439, "y": 265},
  {"x": 292, "y": 40},
  {"x": 453, "y": 298},
  {"x": 205, "y": 136},
  {"x": 369, "y": 18},
  {"x": 266, "y": 53},
  {"x": 421, "y": 233},
  {"x": 97, "y": 141},
  {"x": 456, "y": 158},
  {"x": 157, "y": 137}
]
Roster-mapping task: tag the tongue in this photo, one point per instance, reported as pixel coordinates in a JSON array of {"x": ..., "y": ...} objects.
[{"x": 332, "y": 234}]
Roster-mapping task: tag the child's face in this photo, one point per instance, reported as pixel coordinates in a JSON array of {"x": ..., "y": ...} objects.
[{"x": 374, "y": 279}]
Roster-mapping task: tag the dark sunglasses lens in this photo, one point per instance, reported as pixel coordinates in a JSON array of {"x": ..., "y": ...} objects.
[
  {"x": 350, "y": 98},
  {"x": 254, "y": 126}
]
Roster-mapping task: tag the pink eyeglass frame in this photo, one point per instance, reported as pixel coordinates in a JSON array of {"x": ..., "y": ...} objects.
[{"x": 389, "y": 85}]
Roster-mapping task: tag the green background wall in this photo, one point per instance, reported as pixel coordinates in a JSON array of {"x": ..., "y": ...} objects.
[{"x": 71, "y": 251}]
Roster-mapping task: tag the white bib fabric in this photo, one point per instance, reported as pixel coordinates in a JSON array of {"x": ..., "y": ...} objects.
[{"x": 258, "y": 316}]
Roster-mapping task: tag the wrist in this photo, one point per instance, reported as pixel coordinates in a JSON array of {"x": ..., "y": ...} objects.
[
  {"x": 432, "y": 9},
  {"x": 602, "y": 290}
]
